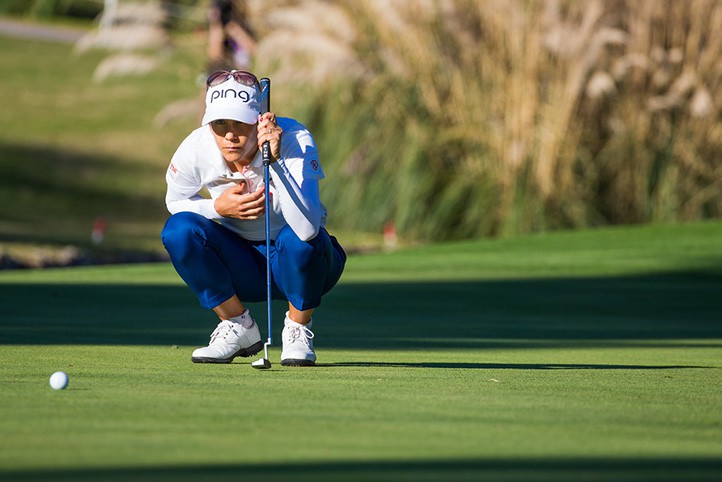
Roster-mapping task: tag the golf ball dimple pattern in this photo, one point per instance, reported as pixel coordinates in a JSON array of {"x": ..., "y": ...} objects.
[{"x": 59, "y": 380}]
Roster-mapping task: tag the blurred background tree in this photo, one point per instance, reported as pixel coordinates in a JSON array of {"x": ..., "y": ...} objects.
[
  {"x": 469, "y": 118},
  {"x": 52, "y": 8}
]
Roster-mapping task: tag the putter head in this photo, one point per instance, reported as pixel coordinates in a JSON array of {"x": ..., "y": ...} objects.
[{"x": 261, "y": 364}]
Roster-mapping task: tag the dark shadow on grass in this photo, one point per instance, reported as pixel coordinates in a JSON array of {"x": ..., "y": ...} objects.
[
  {"x": 672, "y": 309},
  {"x": 508, "y": 366},
  {"x": 559, "y": 470}
]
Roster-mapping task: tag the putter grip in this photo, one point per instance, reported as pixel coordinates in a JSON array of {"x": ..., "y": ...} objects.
[{"x": 265, "y": 84}]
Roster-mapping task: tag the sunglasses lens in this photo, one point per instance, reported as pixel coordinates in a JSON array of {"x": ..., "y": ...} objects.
[
  {"x": 245, "y": 78},
  {"x": 217, "y": 78},
  {"x": 240, "y": 76}
]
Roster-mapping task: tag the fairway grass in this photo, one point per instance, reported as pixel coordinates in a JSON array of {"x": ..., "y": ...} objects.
[{"x": 559, "y": 371}]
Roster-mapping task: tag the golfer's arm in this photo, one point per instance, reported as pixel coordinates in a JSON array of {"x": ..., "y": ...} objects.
[
  {"x": 195, "y": 204},
  {"x": 182, "y": 196},
  {"x": 301, "y": 204}
]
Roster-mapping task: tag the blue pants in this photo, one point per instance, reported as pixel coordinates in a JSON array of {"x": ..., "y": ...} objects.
[{"x": 217, "y": 263}]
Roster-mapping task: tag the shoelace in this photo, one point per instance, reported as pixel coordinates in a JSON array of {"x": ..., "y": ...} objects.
[
  {"x": 223, "y": 330},
  {"x": 298, "y": 333}
]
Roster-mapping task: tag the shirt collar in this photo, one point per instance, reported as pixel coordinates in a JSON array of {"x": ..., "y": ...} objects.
[{"x": 257, "y": 160}]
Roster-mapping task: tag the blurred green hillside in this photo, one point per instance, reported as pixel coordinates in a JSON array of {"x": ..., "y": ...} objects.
[{"x": 73, "y": 150}]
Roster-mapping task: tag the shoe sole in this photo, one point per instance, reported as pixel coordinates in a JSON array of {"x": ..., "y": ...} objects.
[
  {"x": 243, "y": 352},
  {"x": 297, "y": 362}
]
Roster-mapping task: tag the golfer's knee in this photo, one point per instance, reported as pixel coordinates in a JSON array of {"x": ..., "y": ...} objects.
[
  {"x": 289, "y": 244},
  {"x": 179, "y": 229}
]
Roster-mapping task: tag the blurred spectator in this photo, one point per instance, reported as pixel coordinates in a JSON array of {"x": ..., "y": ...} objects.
[
  {"x": 231, "y": 44},
  {"x": 230, "y": 40}
]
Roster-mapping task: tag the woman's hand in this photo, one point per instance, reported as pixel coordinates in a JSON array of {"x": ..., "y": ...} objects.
[
  {"x": 236, "y": 203},
  {"x": 269, "y": 131}
]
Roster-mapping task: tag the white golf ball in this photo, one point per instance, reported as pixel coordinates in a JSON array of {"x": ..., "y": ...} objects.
[{"x": 59, "y": 380}]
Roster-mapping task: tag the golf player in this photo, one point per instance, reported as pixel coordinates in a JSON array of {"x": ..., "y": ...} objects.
[{"x": 217, "y": 245}]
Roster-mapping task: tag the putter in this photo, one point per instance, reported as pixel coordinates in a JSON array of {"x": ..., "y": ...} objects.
[{"x": 265, "y": 363}]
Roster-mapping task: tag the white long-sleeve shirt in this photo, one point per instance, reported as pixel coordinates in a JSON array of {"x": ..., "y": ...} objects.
[{"x": 198, "y": 164}]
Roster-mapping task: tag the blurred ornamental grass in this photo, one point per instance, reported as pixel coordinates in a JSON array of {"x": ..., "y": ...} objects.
[{"x": 467, "y": 118}]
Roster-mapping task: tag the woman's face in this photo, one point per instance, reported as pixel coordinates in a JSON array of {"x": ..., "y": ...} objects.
[{"x": 238, "y": 142}]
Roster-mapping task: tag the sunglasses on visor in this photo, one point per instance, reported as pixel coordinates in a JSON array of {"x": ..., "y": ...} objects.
[{"x": 240, "y": 76}]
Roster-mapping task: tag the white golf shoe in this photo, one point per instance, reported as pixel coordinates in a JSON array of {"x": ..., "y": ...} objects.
[
  {"x": 297, "y": 344},
  {"x": 229, "y": 340}
]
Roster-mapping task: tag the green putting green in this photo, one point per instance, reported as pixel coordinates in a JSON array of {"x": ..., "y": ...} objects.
[{"x": 566, "y": 356}]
